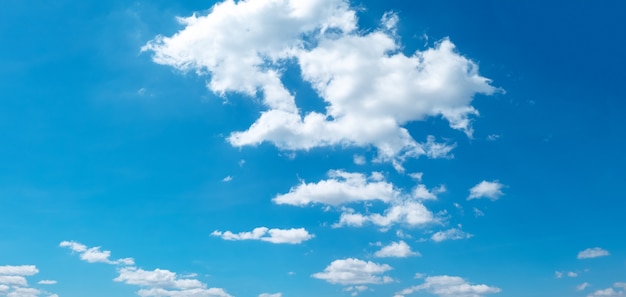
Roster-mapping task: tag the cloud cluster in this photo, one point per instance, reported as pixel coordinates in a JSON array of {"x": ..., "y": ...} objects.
[
  {"x": 369, "y": 86},
  {"x": 348, "y": 188},
  {"x": 370, "y": 89},
  {"x": 290, "y": 236},
  {"x": 353, "y": 271},
  {"x": 13, "y": 282},
  {"x": 449, "y": 286},
  {"x": 152, "y": 283}
]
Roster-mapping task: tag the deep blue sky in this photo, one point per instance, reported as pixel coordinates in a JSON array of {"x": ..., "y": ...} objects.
[{"x": 103, "y": 146}]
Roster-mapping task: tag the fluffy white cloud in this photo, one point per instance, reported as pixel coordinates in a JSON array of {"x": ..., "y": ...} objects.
[
  {"x": 290, "y": 236},
  {"x": 609, "y": 292},
  {"x": 592, "y": 253},
  {"x": 159, "y": 278},
  {"x": 397, "y": 250},
  {"x": 13, "y": 282},
  {"x": 450, "y": 234},
  {"x": 486, "y": 189},
  {"x": 47, "y": 282},
  {"x": 341, "y": 188},
  {"x": 24, "y": 270},
  {"x": 94, "y": 254},
  {"x": 406, "y": 212},
  {"x": 16, "y": 280},
  {"x": 24, "y": 292},
  {"x": 369, "y": 86},
  {"x": 354, "y": 272},
  {"x": 450, "y": 286},
  {"x": 420, "y": 192},
  {"x": 153, "y": 283}
]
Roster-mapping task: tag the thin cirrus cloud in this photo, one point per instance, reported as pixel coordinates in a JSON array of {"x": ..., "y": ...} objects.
[
  {"x": 289, "y": 236},
  {"x": 354, "y": 71},
  {"x": 450, "y": 234},
  {"x": 491, "y": 190},
  {"x": 398, "y": 249},
  {"x": 353, "y": 271},
  {"x": 449, "y": 286},
  {"x": 592, "y": 253},
  {"x": 153, "y": 283}
]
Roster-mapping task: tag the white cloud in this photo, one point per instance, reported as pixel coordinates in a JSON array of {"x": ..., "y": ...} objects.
[
  {"x": 486, "y": 189},
  {"x": 197, "y": 292},
  {"x": 582, "y": 286},
  {"x": 370, "y": 87},
  {"x": 290, "y": 236},
  {"x": 572, "y": 274},
  {"x": 417, "y": 176},
  {"x": 15, "y": 280},
  {"x": 153, "y": 283},
  {"x": 609, "y": 292},
  {"x": 420, "y": 192},
  {"x": 159, "y": 278},
  {"x": 493, "y": 137},
  {"x": 450, "y": 234},
  {"x": 341, "y": 188},
  {"x": 592, "y": 253},
  {"x": 397, "y": 250},
  {"x": 410, "y": 213},
  {"x": 620, "y": 285},
  {"x": 94, "y": 254},
  {"x": 558, "y": 274},
  {"x": 355, "y": 290},
  {"x": 227, "y": 179},
  {"x": 24, "y": 292},
  {"x": 354, "y": 272},
  {"x": 47, "y": 282},
  {"x": 24, "y": 270},
  {"x": 359, "y": 160},
  {"x": 271, "y": 295},
  {"x": 450, "y": 286}
]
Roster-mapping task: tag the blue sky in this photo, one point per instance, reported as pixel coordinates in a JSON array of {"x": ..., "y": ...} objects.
[{"x": 312, "y": 148}]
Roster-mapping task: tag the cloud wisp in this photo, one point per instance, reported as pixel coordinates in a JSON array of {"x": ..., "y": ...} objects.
[{"x": 278, "y": 236}]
